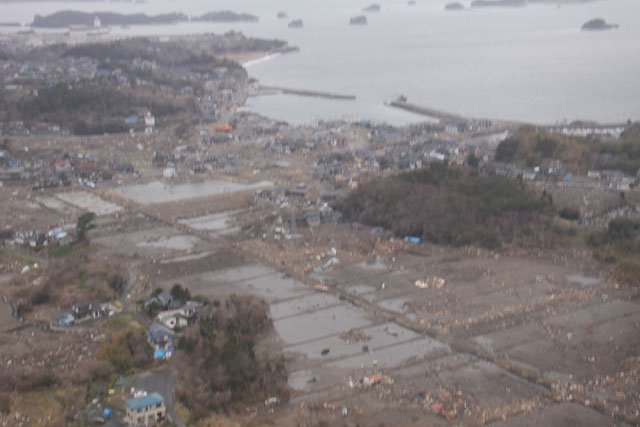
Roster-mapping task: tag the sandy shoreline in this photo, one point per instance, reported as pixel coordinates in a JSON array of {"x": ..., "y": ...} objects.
[{"x": 246, "y": 59}]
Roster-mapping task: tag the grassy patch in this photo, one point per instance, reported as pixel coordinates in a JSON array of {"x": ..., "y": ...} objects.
[
  {"x": 60, "y": 251},
  {"x": 10, "y": 255},
  {"x": 182, "y": 411},
  {"x": 619, "y": 244},
  {"x": 628, "y": 271},
  {"x": 51, "y": 406},
  {"x": 123, "y": 322}
]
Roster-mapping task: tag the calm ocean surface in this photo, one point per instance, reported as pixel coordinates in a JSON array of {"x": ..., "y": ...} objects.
[{"x": 531, "y": 64}]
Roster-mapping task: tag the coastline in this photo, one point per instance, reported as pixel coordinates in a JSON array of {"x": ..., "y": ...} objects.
[{"x": 251, "y": 60}]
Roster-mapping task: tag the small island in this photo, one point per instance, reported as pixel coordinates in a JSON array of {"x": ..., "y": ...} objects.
[
  {"x": 372, "y": 8},
  {"x": 282, "y": 15},
  {"x": 296, "y": 23},
  {"x": 225, "y": 16},
  {"x": 412, "y": 2},
  {"x": 453, "y": 6},
  {"x": 598, "y": 24},
  {"x": 498, "y": 3},
  {"x": 10, "y": 24},
  {"x": 73, "y": 18},
  {"x": 358, "y": 20}
]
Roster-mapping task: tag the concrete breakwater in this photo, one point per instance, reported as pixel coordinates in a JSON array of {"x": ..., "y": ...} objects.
[
  {"x": 424, "y": 111},
  {"x": 577, "y": 128},
  {"x": 270, "y": 90}
]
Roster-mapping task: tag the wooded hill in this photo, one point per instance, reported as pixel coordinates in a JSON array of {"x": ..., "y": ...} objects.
[
  {"x": 452, "y": 205},
  {"x": 219, "y": 365},
  {"x": 529, "y": 147},
  {"x": 95, "y": 107}
]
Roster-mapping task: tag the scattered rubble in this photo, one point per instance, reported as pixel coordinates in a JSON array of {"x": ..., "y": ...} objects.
[
  {"x": 353, "y": 335},
  {"x": 432, "y": 282}
]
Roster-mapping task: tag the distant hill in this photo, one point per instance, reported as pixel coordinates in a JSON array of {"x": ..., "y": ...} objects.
[
  {"x": 225, "y": 16},
  {"x": 68, "y": 18},
  {"x": 454, "y": 6},
  {"x": 358, "y": 20},
  {"x": 372, "y": 8},
  {"x": 296, "y": 23},
  {"x": 598, "y": 24},
  {"x": 498, "y": 3}
]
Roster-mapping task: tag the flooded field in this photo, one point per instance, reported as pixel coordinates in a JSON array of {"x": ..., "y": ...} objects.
[
  {"x": 160, "y": 192},
  {"x": 58, "y": 205},
  {"x": 541, "y": 315},
  {"x": 158, "y": 241},
  {"x": 185, "y": 258},
  {"x": 184, "y": 243},
  {"x": 7, "y": 321},
  {"x": 216, "y": 224},
  {"x": 89, "y": 202},
  {"x": 299, "y": 380},
  {"x": 582, "y": 280}
]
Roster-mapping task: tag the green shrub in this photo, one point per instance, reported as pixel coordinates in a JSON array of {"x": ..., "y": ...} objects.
[
  {"x": 152, "y": 309},
  {"x": 507, "y": 149},
  {"x": 5, "y": 404},
  {"x": 569, "y": 213},
  {"x": 41, "y": 296},
  {"x": 126, "y": 350},
  {"x": 180, "y": 293},
  {"x": 187, "y": 344},
  {"x": 628, "y": 272},
  {"x": 117, "y": 283}
]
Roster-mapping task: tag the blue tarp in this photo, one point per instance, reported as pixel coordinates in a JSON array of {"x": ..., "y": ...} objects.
[
  {"x": 159, "y": 353},
  {"x": 106, "y": 413},
  {"x": 412, "y": 239}
]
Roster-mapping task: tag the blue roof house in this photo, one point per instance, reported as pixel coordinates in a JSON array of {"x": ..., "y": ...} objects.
[{"x": 146, "y": 410}]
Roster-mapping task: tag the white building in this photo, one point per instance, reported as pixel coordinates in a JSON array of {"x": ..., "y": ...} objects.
[
  {"x": 169, "y": 173},
  {"x": 149, "y": 123},
  {"x": 146, "y": 410}
]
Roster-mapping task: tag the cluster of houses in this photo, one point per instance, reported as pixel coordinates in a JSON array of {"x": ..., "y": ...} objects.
[
  {"x": 55, "y": 169},
  {"x": 174, "y": 314},
  {"x": 555, "y": 171},
  {"x": 51, "y": 70},
  {"x": 195, "y": 161},
  {"x": 33, "y": 238},
  {"x": 81, "y": 312}
]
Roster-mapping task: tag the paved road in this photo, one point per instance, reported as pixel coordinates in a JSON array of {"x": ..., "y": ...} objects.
[
  {"x": 126, "y": 306},
  {"x": 161, "y": 382}
]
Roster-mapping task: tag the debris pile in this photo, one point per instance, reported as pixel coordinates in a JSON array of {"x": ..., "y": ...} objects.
[
  {"x": 370, "y": 380},
  {"x": 433, "y": 282},
  {"x": 353, "y": 335}
]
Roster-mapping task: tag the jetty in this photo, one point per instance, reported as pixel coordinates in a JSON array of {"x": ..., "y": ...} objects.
[
  {"x": 476, "y": 125},
  {"x": 271, "y": 90},
  {"x": 425, "y": 111}
]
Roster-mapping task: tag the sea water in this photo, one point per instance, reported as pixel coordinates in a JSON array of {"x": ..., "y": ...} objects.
[{"x": 528, "y": 63}]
